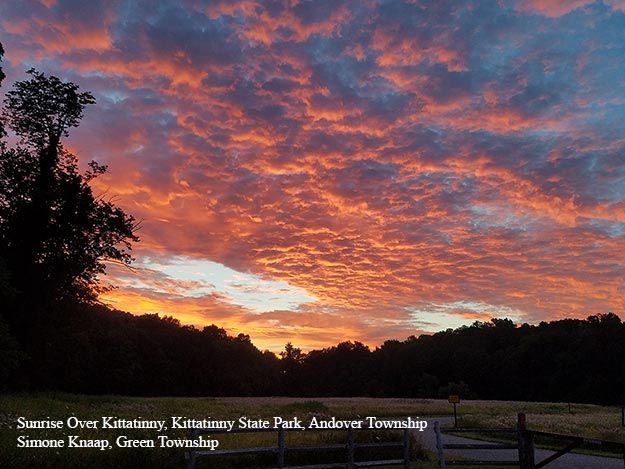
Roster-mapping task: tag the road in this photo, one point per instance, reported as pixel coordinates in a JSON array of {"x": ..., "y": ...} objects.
[{"x": 568, "y": 461}]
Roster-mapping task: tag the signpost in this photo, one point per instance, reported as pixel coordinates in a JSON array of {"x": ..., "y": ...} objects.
[{"x": 454, "y": 399}]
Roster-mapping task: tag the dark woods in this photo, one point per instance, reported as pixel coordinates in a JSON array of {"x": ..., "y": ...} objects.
[
  {"x": 55, "y": 235},
  {"x": 568, "y": 360},
  {"x": 90, "y": 349}
]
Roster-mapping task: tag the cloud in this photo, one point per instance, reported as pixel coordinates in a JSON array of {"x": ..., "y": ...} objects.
[{"x": 392, "y": 161}]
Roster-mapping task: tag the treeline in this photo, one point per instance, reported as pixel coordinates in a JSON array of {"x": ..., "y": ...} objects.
[
  {"x": 567, "y": 360},
  {"x": 93, "y": 350},
  {"x": 98, "y": 351}
]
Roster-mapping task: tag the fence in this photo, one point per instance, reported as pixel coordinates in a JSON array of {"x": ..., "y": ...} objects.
[
  {"x": 525, "y": 446},
  {"x": 440, "y": 446},
  {"x": 281, "y": 449}
]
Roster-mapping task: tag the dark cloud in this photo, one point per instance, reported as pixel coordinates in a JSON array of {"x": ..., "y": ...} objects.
[
  {"x": 314, "y": 11},
  {"x": 280, "y": 85}
]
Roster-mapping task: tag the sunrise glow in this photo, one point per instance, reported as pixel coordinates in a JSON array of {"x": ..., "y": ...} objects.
[{"x": 320, "y": 171}]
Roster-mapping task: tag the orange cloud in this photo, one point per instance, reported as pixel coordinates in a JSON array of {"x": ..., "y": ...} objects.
[
  {"x": 393, "y": 163},
  {"x": 552, "y": 8}
]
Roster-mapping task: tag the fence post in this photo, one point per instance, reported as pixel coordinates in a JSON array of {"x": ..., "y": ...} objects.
[
  {"x": 281, "y": 448},
  {"x": 439, "y": 445},
  {"x": 406, "y": 449},
  {"x": 350, "y": 449},
  {"x": 526, "y": 443},
  {"x": 191, "y": 452}
]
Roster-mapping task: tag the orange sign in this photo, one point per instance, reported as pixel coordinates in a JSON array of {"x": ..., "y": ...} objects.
[{"x": 454, "y": 399}]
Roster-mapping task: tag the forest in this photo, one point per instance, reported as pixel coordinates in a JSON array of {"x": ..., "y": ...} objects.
[
  {"x": 94, "y": 350},
  {"x": 55, "y": 235}
]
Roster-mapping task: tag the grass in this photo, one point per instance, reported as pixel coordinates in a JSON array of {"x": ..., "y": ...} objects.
[
  {"x": 596, "y": 422},
  {"x": 584, "y": 420}
]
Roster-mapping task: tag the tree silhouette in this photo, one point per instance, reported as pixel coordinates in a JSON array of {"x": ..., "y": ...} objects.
[
  {"x": 54, "y": 233},
  {"x": 2, "y": 75},
  {"x": 291, "y": 360},
  {"x": 41, "y": 111}
]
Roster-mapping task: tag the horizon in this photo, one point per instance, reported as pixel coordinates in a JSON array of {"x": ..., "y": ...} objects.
[{"x": 320, "y": 172}]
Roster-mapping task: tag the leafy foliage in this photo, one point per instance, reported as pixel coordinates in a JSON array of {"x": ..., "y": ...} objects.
[
  {"x": 43, "y": 109},
  {"x": 54, "y": 233},
  {"x": 2, "y": 76}
]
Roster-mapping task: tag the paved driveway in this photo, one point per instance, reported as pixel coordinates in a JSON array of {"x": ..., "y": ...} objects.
[{"x": 568, "y": 461}]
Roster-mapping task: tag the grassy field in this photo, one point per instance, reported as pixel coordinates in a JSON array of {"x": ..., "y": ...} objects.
[{"x": 589, "y": 421}]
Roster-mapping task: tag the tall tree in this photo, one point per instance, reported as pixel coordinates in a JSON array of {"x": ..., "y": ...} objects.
[
  {"x": 2, "y": 75},
  {"x": 55, "y": 234}
]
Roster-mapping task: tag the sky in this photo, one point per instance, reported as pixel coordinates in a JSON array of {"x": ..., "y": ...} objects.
[{"x": 320, "y": 171}]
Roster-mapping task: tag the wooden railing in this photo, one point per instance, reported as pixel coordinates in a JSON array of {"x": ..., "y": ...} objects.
[
  {"x": 350, "y": 446},
  {"x": 441, "y": 447},
  {"x": 524, "y": 445}
]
